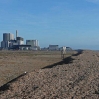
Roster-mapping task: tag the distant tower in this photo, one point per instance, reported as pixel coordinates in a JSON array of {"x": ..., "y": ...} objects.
[{"x": 16, "y": 34}]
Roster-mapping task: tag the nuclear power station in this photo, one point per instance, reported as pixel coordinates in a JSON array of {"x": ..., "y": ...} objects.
[
  {"x": 9, "y": 42},
  {"x": 7, "y": 37}
]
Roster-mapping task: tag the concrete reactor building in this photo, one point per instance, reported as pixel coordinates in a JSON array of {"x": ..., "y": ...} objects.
[
  {"x": 34, "y": 44},
  {"x": 9, "y": 40},
  {"x": 6, "y": 40},
  {"x": 20, "y": 41},
  {"x": 8, "y": 36},
  {"x": 17, "y": 43}
]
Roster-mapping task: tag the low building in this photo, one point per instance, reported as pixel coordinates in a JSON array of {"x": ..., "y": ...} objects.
[
  {"x": 33, "y": 43},
  {"x": 21, "y": 47},
  {"x": 53, "y": 47}
]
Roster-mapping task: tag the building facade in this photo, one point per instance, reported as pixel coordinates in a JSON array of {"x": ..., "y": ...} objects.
[
  {"x": 9, "y": 41},
  {"x": 8, "y": 36},
  {"x": 33, "y": 43},
  {"x": 20, "y": 41},
  {"x": 53, "y": 47}
]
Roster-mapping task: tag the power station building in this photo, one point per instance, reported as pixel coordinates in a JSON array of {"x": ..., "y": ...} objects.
[
  {"x": 53, "y": 47},
  {"x": 9, "y": 40},
  {"x": 19, "y": 41},
  {"x": 7, "y": 37},
  {"x": 34, "y": 44}
]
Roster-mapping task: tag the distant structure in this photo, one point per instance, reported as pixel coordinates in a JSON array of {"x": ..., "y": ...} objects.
[
  {"x": 21, "y": 47},
  {"x": 16, "y": 34},
  {"x": 7, "y": 37},
  {"x": 34, "y": 44},
  {"x": 9, "y": 40},
  {"x": 20, "y": 40},
  {"x": 17, "y": 43},
  {"x": 63, "y": 52},
  {"x": 53, "y": 47}
]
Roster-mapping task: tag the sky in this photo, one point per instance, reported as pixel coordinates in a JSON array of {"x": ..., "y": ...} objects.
[{"x": 72, "y": 23}]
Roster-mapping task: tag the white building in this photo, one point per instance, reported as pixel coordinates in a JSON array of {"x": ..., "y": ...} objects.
[
  {"x": 20, "y": 40},
  {"x": 33, "y": 43},
  {"x": 11, "y": 36}
]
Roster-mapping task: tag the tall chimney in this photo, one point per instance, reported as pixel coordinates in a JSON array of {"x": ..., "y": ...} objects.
[{"x": 16, "y": 34}]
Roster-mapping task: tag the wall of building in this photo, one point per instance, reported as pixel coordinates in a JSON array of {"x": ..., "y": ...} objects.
[
  {"x": 11, "y": 36},
  {"x": 20, "y": 39},
  {"x": 5, "y": 44},
  {"x": 53, "y": 47},
  {"x": 20, "y": 42},
  {"x": 8, "y": 40},
  {"x": 33, "y": 43},
  {"x": 8, "y": 36},
  {"x": 5, "y": 36}
]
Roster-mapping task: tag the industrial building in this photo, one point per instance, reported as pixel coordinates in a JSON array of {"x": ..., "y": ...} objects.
[
  {"x": 20, "y": 41},
  {"x": 7, "y": 37},
  {"x": 5, "y": 44},
  {"x": 9, "y": 40},
  {"x": 53, "y": 47},
  {"x": 34, "y": 44},
  {"x": 21, "y": 47}
]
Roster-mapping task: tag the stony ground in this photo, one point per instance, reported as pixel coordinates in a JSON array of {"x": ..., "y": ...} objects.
[
  {"x": 14, "y": 63},
  {"x": 76, "y": 77}
]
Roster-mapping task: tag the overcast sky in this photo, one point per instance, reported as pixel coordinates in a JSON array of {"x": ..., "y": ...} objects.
[{"x": 73, "y": 23}]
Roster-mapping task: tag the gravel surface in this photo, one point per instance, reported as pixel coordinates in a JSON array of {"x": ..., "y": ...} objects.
[
  {"x": 76, "y": 77},
  {"x": 14, "y": 63}
]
